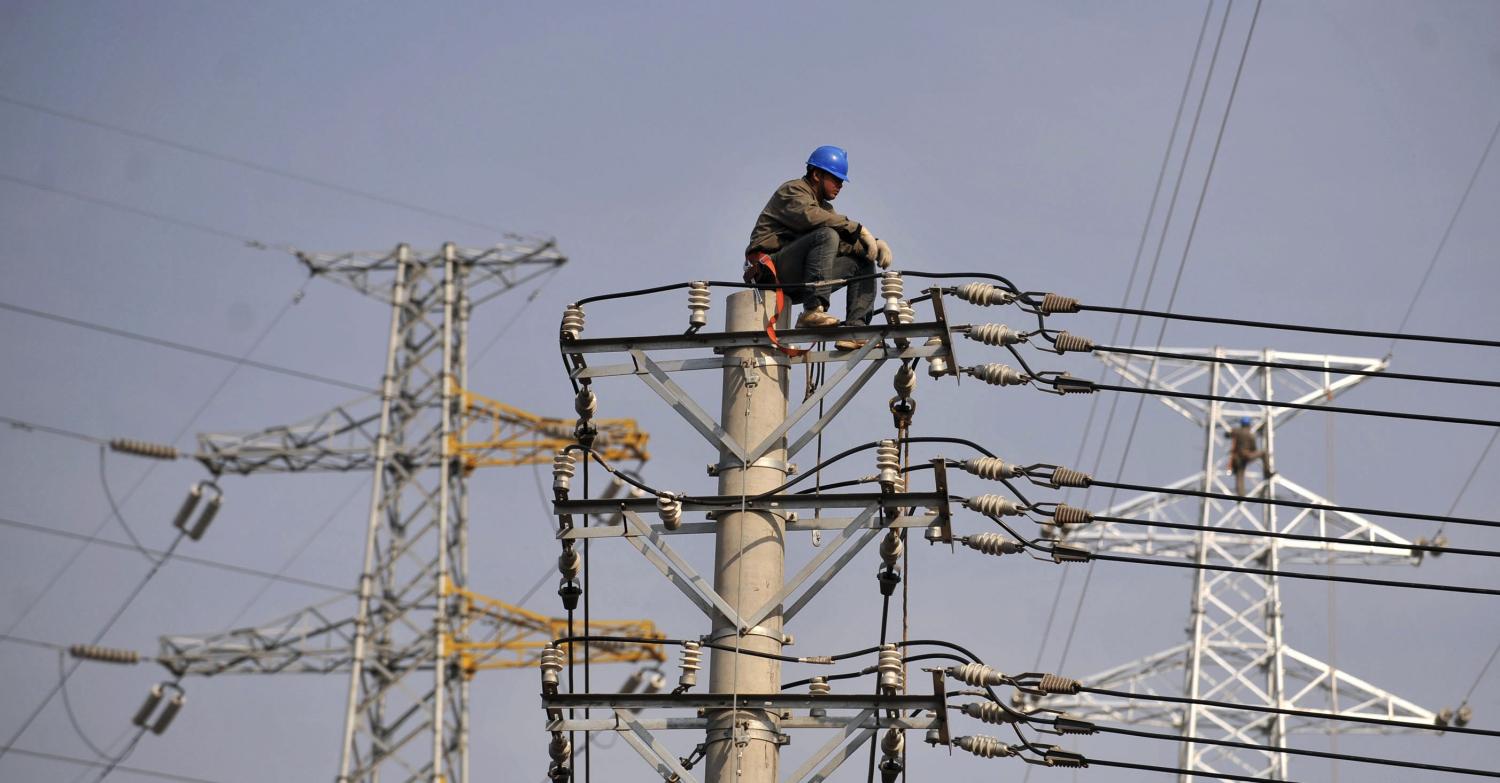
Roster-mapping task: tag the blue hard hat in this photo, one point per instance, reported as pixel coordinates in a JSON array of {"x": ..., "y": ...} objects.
[
  {"x": 831, "y": 159},
  {"x": 1244, "y": 421}
]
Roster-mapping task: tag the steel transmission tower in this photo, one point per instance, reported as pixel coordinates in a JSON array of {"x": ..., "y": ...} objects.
[
  {"x": 407, "y": 710},
  {"x": 1235, "y": 650}
]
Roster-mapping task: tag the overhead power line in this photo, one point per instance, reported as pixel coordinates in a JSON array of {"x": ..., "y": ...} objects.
[
  {"x": 1313, "y": 368},
  {"x": 1076, "y": 383},
  {"x": 1377, "y": 512},
  {"x": 1229, "y": 531},
  {"x": 159, "y": 553},
  {"x": 1430, "y": 338},
  {"x": 1290, "y": 712},
  {"x": 1384, "y": 762},
  {"x": 145, "y": 213},
  {"x": 184, "y": 347},
  {"x": 247, "y": 163},
  {"x": 1358, "y": 580},
  {"x": 150, "y": 773},
  {"x": 1447, "y": 232}
]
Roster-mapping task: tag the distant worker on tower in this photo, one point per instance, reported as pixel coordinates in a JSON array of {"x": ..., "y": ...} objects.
[
  {"x": 800, "y": 243},
  {"x": 1243, "y": 449}
]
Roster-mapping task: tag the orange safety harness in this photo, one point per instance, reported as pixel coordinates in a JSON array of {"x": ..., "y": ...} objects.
[{"x": 753, "y": 265}]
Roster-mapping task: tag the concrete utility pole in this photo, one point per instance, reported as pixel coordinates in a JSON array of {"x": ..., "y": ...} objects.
[{"x": 749, "y": 555}]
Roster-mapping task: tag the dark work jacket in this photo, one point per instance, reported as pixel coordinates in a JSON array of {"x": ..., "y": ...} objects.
[{"x": 794, "y": 210}]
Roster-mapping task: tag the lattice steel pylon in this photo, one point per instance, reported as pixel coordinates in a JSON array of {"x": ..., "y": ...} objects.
[
  {"x": 407, "y": 710},
  {"x": 1236, "y": 651}
]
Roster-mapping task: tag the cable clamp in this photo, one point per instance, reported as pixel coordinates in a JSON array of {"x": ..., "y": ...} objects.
[{"x": 782, "y": 465}]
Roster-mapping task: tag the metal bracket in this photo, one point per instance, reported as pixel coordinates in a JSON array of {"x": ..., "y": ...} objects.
[
  {"x": 680, "y": 573},
  {"x": 839, "y": 744},
  {"x": 666, "y": 764},
  {"x": 674, "y": 395}
]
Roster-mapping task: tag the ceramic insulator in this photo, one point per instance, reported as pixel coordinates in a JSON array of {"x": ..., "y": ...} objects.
[
  {"x": 937, "y": 366},
  {"x": 997, "y": 374},
  {"x": 984, "y": 747},
  {"x": 994, "y": 334},
  {"x": 563, "y": 469},
  {"x": 888, "y": 462},
  {"x": 552, "y": 662},
  {"x": 976, "y": 674},
  {"x": 698, "y": 304},
  {"x": 819, "y": 687},
  {"x": 889, "y": 669},
  {"x": 669, "y": 508},
  {"x": 560, "y": 747},
  {"x": 992, "y": 468},
  {"x": 1057, "y": 303},
  {"x": 992, "y": 505},
  {"x": 586, "y": 403},
  {"x": 892, "y": 289},
  {"x": 984, "y": 294},
  {"x": 989, "y": 712},
  {"x": 891, "y": 549},
  {"x": 906, "y": 381},
  {"x": 1065, "y": 342},
  {"x": 893, "y": 742},
  {"x": 692, "y": 661},
  {"x": 907, "y": 314},
  {"x": 569, "y": 563},
  {"x": 94, "y": 652},
  {"x": 1065, "y": 514},
  {"x": 1056, "y": 683},
  {"x": 141, "y": 448},
  {"x": 1068, "y": 477},
  {"x": 572, "y": 322},
  {"x": 992, "y": 544}
]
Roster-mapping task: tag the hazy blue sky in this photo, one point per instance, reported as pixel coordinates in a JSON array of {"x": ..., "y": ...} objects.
[{"x": 1017, "y": 138}]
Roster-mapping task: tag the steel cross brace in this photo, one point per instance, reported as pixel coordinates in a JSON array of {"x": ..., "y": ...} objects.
[
  {"x": 657, "y": 379},
  {"x": 645, "y": 743},
  {"x": 698, "y": 590}
]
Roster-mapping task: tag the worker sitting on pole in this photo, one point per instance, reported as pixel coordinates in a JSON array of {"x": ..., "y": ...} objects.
[
  {"x": 1242, "y": 450},
  {"x": 800, "y": 244}
]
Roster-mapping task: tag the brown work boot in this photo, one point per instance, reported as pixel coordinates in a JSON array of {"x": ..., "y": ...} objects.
[
  {"x": 848, "y": 344},
  {"x": 816, "y": 319}
]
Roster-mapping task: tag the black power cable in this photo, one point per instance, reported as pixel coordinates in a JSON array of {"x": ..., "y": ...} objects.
[
  {"x": 185, "y": 348},
  {"x": 1298, "y": 752},
  {"x": 1400, "y": 376},
  {"x": 1289, "y": 327},
  {"x": 1276, "y": 404},
  {"x": 1358, "y": 580},
  {"x": 1295, "y": 713},
  {"x": 1377, "y": 512},
  {"x": 1229, "y": 531}
]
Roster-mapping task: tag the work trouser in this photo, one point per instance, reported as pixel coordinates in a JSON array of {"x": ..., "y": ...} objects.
[
  {"x": 1240, "y": 460},
  {"x": 809, "y": 260}
]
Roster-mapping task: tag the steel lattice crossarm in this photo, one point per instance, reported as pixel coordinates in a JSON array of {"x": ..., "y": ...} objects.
[
  {"x": 516, "y": 635},
  {"x": 1236, "y": 651},
  {"x": 1312, "y": 686},
  {"x": 490, "y": 433},
  {"x": 491, "y": 634},
  {"x": 489, "y": 271},
  {"x": 1351, "y": 530}
]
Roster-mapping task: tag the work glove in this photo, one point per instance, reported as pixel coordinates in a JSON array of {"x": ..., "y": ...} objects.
[
  {"x": 882, "y": 254},
  {"x": 866, "y": 245}
]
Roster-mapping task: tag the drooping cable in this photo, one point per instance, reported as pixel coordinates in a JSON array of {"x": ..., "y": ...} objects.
[
  {"x": 1231, "y": 532},
  {"x": 1447, "y": 232},
  {"x": 213, "y": 395},
  {"x": 157, "y": 554},
  {"x": 1292, "y": 405},
  {"x": 238, "y": 361},
  {"x": 1257, "y": 324},
  {"x": 150, "y": 773},
  {"x": 1312, "y": 368},
  {"x": 1375, "y": 760},
  {"x": 1290, "y": 712},
  {"x": 244, "y": 163},
  {"x": 1358, "y": 580}
]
